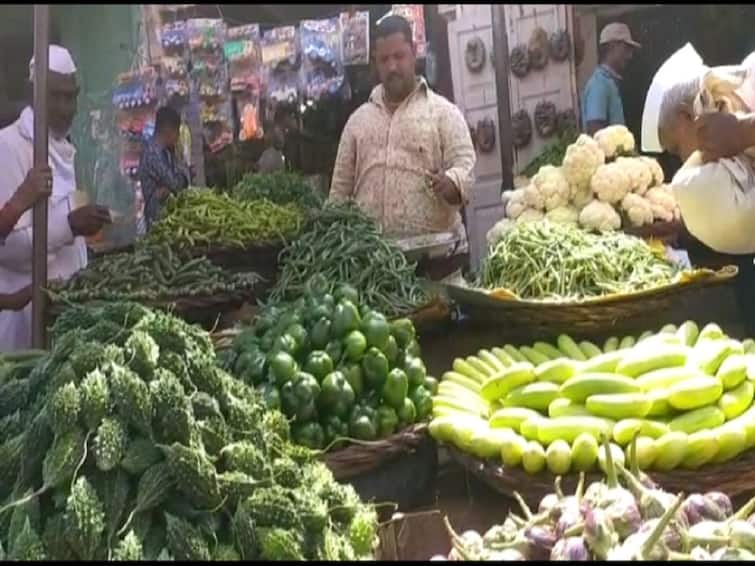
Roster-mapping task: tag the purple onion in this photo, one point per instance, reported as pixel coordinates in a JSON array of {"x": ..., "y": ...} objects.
[
  {"x": 622, "y": 509},
  {"x": 732, "y": 554},
  {"x": 507, "y": 555},
  {"x": 722, "y": 501},
  {"x": 541, "y": 541},
  {"x": 674, "y": 535},
  {"x": 571, "y": 549},
  {"x": 501, "y": 533},
  {"x": 570, "y": 518},
  {"x": 693, "y": 508},
  {"x": 599, "y": 532},
  {"x": 548, "y": 503}
]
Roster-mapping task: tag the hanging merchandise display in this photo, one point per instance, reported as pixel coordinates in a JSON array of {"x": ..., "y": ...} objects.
[
  {"x": 243, "y": 53},
  {"x": 281, "y": 61},
  {"x": 415, "y": 13},
  {"x": 175, "y": 61},
  {"x": 135, "y": 98},
  {"x": 209, "y": 74},
  {"x": 322, "y": 68},
  {"x": 355, "y": 38},
  {"x": 173, "y": 35}
]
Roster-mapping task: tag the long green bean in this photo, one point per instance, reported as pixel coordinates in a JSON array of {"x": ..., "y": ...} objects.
[{"x": 545, "y": 260}]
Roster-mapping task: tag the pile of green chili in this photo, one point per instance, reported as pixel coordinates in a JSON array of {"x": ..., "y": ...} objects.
[
  {"x": 203, "y": 218},
  {"x": 544, "y": 260},
  {"x": 150, "y": 273},
  {"x": 343, "y": 245},
  {"x": 281, "y": 187}
]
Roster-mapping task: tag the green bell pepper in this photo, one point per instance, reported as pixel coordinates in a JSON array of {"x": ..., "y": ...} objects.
[
  {"x": 299, "y": 397},
  {"x": 387, "y": 421},
  {"x": 319, "y": 336},
  {"x": 363, "y": 423},
  {"x": 415, "y": 371},
  {"x": 403, "y": 330},
  {"x": 345, "y": 318},
  {"x": 395, "y": 388},
  {"x": 346, "y": 292},
  {"x": 377, "y": 330},
  {"x": 391, "y": 351},
  {"x": 375, "y": 368},
  {"x": 354, "y": 346},
  {"x": 271, "y": 396},
  {"x": 334, "y": 427},
  {"x": 310, "y": 435},
  {"x": 423, "y": 402},
  {"x": 407, "y": 414},
  {"x": 335, "y": 351},
  {"x": 299, "y": 334},
  {"x": 431, "y": 384},
  {"x": 250, "y": 366},
  {"x": 285, "y": 343},
  {"x": 412, "y": 349},
  {"x": 353, "y": 374},
  {"x": 336, "y": 395},
  {"x": 283, "y": 367},
  {"x": 319, "y": 364}
]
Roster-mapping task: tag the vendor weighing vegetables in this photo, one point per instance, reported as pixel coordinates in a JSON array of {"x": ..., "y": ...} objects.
[{"x": 405, "y": 156}]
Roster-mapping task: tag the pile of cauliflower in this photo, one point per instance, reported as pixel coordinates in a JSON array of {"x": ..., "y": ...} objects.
[{"x": 597, "y": 186}]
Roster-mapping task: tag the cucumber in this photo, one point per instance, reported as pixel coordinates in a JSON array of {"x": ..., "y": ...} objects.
[
  {"x": 668, "y": 329},
  {"x": 747, "y": 422},
  {"x": 749, "y": 346},
  {"x": 732, "y": 440},
  {"x": 616, "y": 452},
  {"x": 503, "y": 357},
  {"x": 625, "y": 430},
  {"x": 444, "y": 428},
  {"x": 533, "y": 458},
  {"x": 644, "y": 336},
  {"x": 699, "y": 419},
  {"x": 666, "y": 377},
  {"x": 659, "y": 406},
  {"x": 708, "y": 355},
  {"x": 580, "y": 387},
  {"x": 569, "y": 428},
  {"x": 735, "y": 402},
  {"x": 558, "y": 457},
  {"x": 463, "y": 367},
  {"x": 533, "y": 356},
  {"x": 688, "y": 333},
  {"x": 584, "y": 452},
  {"x": 649, "y": 357},
  {"x": 461, "y": 380},
  {"x": 604, "y": 363},
  {"x": 645, "y": 450},
  {"x": 711, "y": 331},
  {"x": 565, "y": 408},
  {"x": 556, "y": 371},
  {"x": 670, "y": 449},
  {"x": 500, "y": 384},
  {"x": 489, "y": 358},
  {"x": 611, "y": 345},
  {"x": 462, "y": 405},
  {"x": 529, "y": 428},
  {"x": 618, "y": 405},
  {"x": 694, "y": 393},
  {"x": 514, "y": 354},
  {"x": 481, "y": 366},
  {"x": 548, "y": 350},
  {"x": 450, "y": 390},
  {"x": 570, "y": 348},
  {"x": 535, "y": 396},
  {"x": 702, "y": 447},
  {"x": 511, "y": 417},
  {"x": 589, "y": 349},
  {"x": 627, "y": 342},
  {"x": 512, "y": 450},
  {"x": 733, "y": 371}
]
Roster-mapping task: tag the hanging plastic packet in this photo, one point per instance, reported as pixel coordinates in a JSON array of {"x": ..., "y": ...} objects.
[
  {"x": 415, "y": 14},
  {"x": 322, "y": 66},
  {"x": 280, "y": 60},
  {"x": 355, "y": 38},
  {"x": 243, "y": 53},
  {"x": 173, "y": 35}
]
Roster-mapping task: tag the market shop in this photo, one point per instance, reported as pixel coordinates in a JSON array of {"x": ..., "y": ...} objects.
[{"x": 266, "y": 375}]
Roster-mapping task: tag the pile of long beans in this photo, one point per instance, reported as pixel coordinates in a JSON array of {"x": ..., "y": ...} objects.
[
  {"x": 201, "y": 217},
  {"x": 150, "y": 273},
  {"x": 552, "y": 261},
  {"x": 343, "y": 245}
]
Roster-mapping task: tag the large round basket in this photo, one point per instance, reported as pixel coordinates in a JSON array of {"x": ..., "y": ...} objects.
[
  {"x": 602, "y": 316},
  {"x": 430, "y": 315},
  {"x": 734, "y": 478}
]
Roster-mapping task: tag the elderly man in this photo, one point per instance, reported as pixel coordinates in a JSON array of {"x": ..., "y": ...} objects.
[
  {"x": 601, "y": 100},
  {"x": 66, "y": 226},
  {"x": 405, "y": 156}
]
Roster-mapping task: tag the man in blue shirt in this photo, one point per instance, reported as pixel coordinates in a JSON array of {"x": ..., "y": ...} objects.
[{"x": 601, "y": 101}]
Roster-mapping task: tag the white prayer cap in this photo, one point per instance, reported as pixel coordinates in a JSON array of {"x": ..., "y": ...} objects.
[
  {"x": 60, "y": 61},
  {"x": 683, "y": 65}
]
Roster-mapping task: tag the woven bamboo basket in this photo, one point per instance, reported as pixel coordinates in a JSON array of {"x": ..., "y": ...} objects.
[
  {"x": 589, "y": 317},
  {"x": 359, "y": 458},
  {"x": 734, "y": 478}
]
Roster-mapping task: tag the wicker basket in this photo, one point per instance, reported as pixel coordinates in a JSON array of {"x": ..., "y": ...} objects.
[
  {"x": 359, "y": 458},
  {"x": 435, "y": 312},
  {"x": 599, "y": 316},
  {"x": 736, "y": 477}
]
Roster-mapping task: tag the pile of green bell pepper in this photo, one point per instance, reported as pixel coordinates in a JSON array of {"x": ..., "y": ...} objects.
[{"x": 335, "y": 367}]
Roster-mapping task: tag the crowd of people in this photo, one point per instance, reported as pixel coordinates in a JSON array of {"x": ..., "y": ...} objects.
[{"x": 406, "y": 156}]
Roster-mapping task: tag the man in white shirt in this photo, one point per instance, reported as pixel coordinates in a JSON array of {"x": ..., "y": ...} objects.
[{"x": 66, "y": 226}]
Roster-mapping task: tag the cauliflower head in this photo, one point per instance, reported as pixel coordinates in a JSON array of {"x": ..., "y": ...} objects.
[
  {"x": 599, "y": 216},
  {"x": 533, "y": 198},
  {"x": 640, "y": 175},
  {"x": 581, "y": 160},
  {"x": 563, "y": 215},
  {"x": 663, "y": 203},
  {"x": 614, "y": 140},
  {"x": 659, "y": 177},
  {"x": 553, "y": 187},
  {"x": 611, "y": 183},
  {"x": 530, "y": 215},
  {"x": 499, "y": 230},
  {"x": 638, "y": 209},
  {"x": 521, "y": 181},
  {"x": 581, "y": 196},
  {"x": 515, "y": 204}
]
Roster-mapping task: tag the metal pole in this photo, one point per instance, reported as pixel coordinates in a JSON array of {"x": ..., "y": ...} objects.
[{"x": 39, "y": 239}]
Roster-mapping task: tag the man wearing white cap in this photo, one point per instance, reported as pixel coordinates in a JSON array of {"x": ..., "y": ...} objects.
[
  {"x": 601, "y": 100},
  {"x": 66, "y": 225}
]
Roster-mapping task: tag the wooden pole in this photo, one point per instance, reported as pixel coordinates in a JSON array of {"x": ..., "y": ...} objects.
[{"x": 39, "y": 239}]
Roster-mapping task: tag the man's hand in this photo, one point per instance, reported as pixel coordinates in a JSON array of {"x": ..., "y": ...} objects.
[
  {"x": 88, "y": 220},
  {"x": 721, "y": 135},
  {"x": 16, "y": 301},
  {"x": 37, "y": 185},
  {"x": 442, "y": 185}
]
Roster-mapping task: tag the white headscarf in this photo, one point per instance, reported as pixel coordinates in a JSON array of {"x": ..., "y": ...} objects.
[
  {"x": 683, "y": 65},
  {"x": 59, "y": 60}
]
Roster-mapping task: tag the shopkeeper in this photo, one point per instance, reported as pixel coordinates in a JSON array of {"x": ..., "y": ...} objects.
[
  {"x": 405, "y": 156},
  {"x": 66, "y": 227}
]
